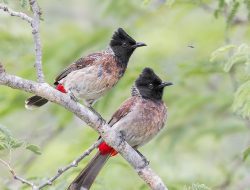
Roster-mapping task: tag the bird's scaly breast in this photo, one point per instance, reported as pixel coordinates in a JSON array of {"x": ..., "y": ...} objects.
[
  {"x": 91, "y": 82},
  {"x": 143, "y": 122}
]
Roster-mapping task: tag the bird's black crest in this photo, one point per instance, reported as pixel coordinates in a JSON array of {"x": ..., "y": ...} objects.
[
  {"x": 121, "y": 35},
  {"x": 148, "y": 85},
  {"x": 149, "y": 76}
]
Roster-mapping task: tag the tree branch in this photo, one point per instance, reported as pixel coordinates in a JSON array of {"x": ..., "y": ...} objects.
[
  {"x": 37, "y": 40},
  {"x": 15, "y": 176},
  {"x": 71, "y": 165},
  {"x": 17, "y": 14},
  {"x": 97, "y": 123},
  {"x": 59, "y": 172},
  {"x": 35, "y": 22}
]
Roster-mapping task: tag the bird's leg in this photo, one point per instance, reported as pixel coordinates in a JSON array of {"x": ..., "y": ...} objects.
[
  {"x": 122, "y": 136},
  {"x": 72, "y": 96},
  {"x": 89, "y": 105},
  {"x": 143, "y": 157}
]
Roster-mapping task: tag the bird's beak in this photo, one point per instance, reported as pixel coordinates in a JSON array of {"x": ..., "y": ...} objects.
[
  {"x": 163, "y": 84},
  {"x": 139, "y": 44}
]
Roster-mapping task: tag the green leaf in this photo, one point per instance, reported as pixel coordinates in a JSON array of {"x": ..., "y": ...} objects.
[
  {"x": 16, "y": 144},
  {"x": 7, "y": 141},
  {"x": 242, "y": 100},
  {"x": 236, "y": 59},
  {"x": 5, "y": 131},
  {"x": 246, "y": 153},
  {"x": 2, "y": 145},
  {"x": 233, "y": 12},
  {"x": 217, "y": 12},
  {"x": 34, "y": 148},
  {"x": 218, "y": 52},
  {"x": 240, "y": 56}
]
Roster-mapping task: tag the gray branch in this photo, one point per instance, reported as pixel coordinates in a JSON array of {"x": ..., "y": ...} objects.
[
  {"x": 37, "y": 40},
  {"x": 16, "y": 177},
  {"x": 97, "y": 123},
  {"x": 17, "y": 14},
  {"x": 71, "y": 165},
  {"x": 35, "y": 22},
  {"x": 59, "y": 172}
]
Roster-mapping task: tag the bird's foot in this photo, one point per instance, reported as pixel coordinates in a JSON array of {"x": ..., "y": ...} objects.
[
  {"x": 145, "y": 160},
  {"x": 72, "y": 96},
  {"x": 96, "y": 113},
  {"x": 122, "y": 136}
]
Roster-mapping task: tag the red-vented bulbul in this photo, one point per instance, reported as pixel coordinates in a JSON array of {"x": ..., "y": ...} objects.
[
  {"x": 92, "y": 76},
  {"x": 138, "y": 119}
]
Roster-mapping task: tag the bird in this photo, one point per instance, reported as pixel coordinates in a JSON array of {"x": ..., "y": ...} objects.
[
  {"x": 90, "y": 77},
  {"x": 138, "y": 119}
]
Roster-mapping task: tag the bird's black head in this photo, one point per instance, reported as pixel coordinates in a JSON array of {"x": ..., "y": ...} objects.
[
  {"x": 123, "y": 45},
  {"x": 149, "y": 85}
]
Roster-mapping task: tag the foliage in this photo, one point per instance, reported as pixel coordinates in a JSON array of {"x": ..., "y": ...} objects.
[
  {"x": 8, "y": 142},
  {"x": 239, "y": 56},
  {"x": 231, "y": 8},
  {"x": 33, "y": 148},
  {"x": 242, "y": 100},
  {"x": 246, "y": 153}
]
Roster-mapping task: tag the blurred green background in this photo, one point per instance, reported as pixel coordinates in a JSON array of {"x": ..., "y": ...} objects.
[{"x": 208, "y": 124}]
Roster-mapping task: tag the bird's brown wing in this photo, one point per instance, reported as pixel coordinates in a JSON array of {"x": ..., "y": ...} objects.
[
  {"x": 79, "y": 64},
  {"x": 125, "y": 108}
]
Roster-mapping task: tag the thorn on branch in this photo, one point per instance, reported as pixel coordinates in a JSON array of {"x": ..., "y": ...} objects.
[
  {"x": 34, "y": 31},
  {"x": 60, "y": 170},
  {"x": 74, "y": 164},
  {"x": 49, "y": 183}
]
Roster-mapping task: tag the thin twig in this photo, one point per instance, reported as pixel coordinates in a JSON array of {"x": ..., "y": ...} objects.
[
  {"x": 16, "y": 177},
  {"x": 15, "y": 13},
  {"x": 71, "y": 165},
  {"x": 37, "y": 40},
  {"x": 35, "y": 22}
]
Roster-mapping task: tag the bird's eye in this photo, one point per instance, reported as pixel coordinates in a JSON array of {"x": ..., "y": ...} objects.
[
  {"x": 124, "y": 44},
  {"x": 150, "y": 86}
]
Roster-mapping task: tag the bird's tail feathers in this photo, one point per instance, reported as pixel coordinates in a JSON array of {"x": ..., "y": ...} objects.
[
  {"x": 87, "y": 176},
  {"x": 34, "y": 102}
]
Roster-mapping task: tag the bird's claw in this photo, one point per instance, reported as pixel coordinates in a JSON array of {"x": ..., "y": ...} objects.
[
  {"x": 121, "y": 134},
  {"x": 72, "y": 96},
  {"x": 95, "y": 112},
  {"x": 144, "y": 159}
]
